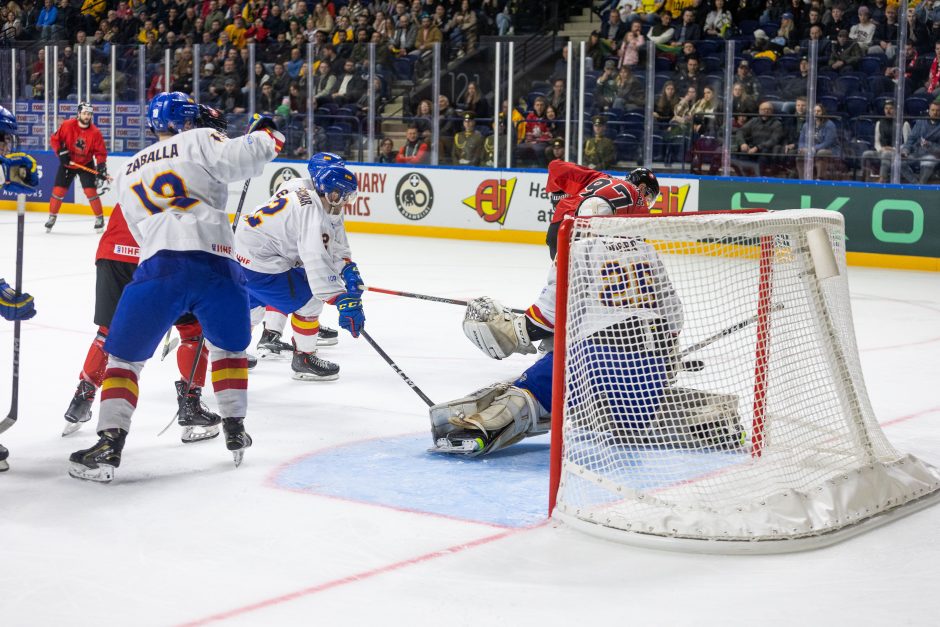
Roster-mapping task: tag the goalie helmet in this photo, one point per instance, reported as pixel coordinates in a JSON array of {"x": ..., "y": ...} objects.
[
  {"x": 324, "y": 160},
  {"x": 337, "y": 186},
  {"x": 645, "y": 176},
  {"x": 170, "y": 112}
]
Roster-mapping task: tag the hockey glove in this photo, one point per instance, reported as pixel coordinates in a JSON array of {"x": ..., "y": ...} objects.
[
  {"x": 20, "y": 173},
  {"x": 352, "y": 278},
  {"x": 260, "y": 122},
  {"x": 351, "y": 317},
  {"x": 13, "y": 306},
  {"x": 64, "y": 157}
]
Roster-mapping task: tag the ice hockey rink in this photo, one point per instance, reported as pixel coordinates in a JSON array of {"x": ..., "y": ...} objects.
[{"x": 338, "y": 516}]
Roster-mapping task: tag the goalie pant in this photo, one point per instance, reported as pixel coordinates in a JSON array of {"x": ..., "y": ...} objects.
[
  {"x": 115, "y": 263},
  {"x": 83, "y": 146}
]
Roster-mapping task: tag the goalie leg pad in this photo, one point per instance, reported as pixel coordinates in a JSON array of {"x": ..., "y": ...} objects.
[{"x": 495, "y": 330}]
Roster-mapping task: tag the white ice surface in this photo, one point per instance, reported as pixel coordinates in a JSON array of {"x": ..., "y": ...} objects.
[{"x": 182, "y": 537}]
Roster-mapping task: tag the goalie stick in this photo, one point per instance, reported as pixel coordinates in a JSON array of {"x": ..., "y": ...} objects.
[
  {"x": 397, "y": 370},
  {"x": 13, "y": 414},
  {"x": 724, "y": 333},
  {"x": 436, "y": 299}
]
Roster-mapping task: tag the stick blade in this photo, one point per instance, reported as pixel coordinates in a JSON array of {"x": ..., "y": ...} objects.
[{"x": 7, "y": 422}]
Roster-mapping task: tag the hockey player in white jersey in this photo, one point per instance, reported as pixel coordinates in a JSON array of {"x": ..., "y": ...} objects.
[
  {"x": 271, "y": 346},
  {"x": 285, "y": 248},
  {"x": 627, "y": 347},
  {"x": 173, "y": 196}
]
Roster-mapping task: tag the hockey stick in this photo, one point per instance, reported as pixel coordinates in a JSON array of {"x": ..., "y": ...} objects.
[
  {"x": 436, "y": 299},
  {"x": 397, "y": 370},
  {"x": 724, "y": 332},
  {"x": 168, "y": 344},
  {"x": 15, "y": 396}
]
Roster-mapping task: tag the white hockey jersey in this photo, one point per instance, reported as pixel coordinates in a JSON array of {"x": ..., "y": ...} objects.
[
  {"x": 173, "y": 193},
  {"x": 340, "y": 241},
  {"x": 292, "y": 230}
]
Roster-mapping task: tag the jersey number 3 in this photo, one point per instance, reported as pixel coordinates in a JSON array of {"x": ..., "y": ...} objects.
[{"x": 169, "y": 191}]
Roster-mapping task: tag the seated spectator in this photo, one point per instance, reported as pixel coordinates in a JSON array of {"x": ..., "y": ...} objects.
[
  {"x": 428, "y": 35},
  {"x": 665, "y": 106},
  {"x": 886, "y": 33},
  {"x": 413, "y": 151},
  {"x": 324, "y": 85},
  {"x": 404, "y": 36},
  {"x": 555, "y": 124},
  {"x": 422, "y": 120},
  {"x": 663, "y": 33},
  {"x": 793, "y": 126},
  {"x": 745, "y": 76},
  {"x": 704, "y": 121},
  {"x": 613, "y": 30},
  {"x": 597, "y": 50},
  {"x": 762, "y": 48},
  {"x": 280, "y": 81},
  {"x": 690, "y": 76},
  {"x": 678, "y": 135},
  {"x": 923, "y": 147},
  {"x": 836, "y": 21},
  {"x": 742, "y": 105},
  {"x": 232, "y": 99},
  {"x": 537, "y": 133},
  {"x": 556, "y": 98},
  {"x": 845, "y": 53},
  {"x": 863, "y": 33},
  {"x": 793, "y": 86},
  {"x": 257, "y": 32},
  {"x": 787, "y": 39},
  {"x": 450, "y": 124},
  {"x": 599, "y": 151},
  {"x": 350, "y": 85},
  {"x": 823, "y": 45},
  {"x": 386, "y": 152},
  {"x": 933, "y": 75},
  {"x": 718, "y": 22},
  {"x": 632, "y": 45},
  {"x": 825, "y": 144},
  {"x": 629, "y": 92},
  {"x": 296, "y": 62},
  {"x": 758, "y": 141},
  {"x": 343, "y": 46},
  {"x": 468, "y": 144},
  {"x": 688, "y": 30},
  {"x": 813, "y": 18},
  {"x": 474, "y": 101},
  {"x": 605, "y": 92},
  {"x": 884, "y": 151},
  {"x": 267, "y": 101}
]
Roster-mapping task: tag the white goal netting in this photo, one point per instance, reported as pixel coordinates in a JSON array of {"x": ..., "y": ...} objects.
[{"x": 713, "y": 390}]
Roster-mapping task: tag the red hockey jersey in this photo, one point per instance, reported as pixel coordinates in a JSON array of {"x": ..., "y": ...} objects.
[
  {"x": 83, "y": 144},
  {"x": 580, "y": 182},
  {"x": 117, "y": 243}
]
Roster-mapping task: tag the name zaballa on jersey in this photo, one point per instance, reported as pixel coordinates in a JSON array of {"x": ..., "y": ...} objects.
[{"x": 163, "y": 152}]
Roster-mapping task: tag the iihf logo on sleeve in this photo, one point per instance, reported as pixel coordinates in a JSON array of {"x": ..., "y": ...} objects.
[{"x": 414, "y": 196}]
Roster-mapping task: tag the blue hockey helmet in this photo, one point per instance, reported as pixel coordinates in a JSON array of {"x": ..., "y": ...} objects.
[
  {"x": 324, "y": 160},
  {"x": 7, "y": 124},
  {"x": 169, "y": 112},
  {"x": 337, "y": 186}
]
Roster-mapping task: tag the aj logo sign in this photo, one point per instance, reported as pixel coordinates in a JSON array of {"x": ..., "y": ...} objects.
[{"x": 491, "y": 200}]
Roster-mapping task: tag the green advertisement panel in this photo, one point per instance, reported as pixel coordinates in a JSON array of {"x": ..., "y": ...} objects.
[{"x": 887, "y": 220}]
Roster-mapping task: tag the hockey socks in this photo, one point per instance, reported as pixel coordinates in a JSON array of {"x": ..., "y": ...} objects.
[
  {"x": 186, "y": 353},
  {"x": 306, "y": 329},
  {"x": 55, "y": 202},
  {"x": 94, "y": 200},
  {"x": 230, "y": 381}
]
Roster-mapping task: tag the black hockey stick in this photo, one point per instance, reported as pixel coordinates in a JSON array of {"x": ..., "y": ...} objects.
[
  {"x": 241, "y": 203},
  {"x": 397, "y": 370},
  {"x": 724, "y": 332},
  {"x": 436, "y": 299},
  {"x": 15, "y": 396}
]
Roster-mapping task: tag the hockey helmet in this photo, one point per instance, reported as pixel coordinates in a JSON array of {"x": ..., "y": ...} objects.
[
  {"x": 7, "y": 125},
  {"x": 595, "y": 206},
  {"x": 84, "y": 107},
  {"x": 169, "y": 112},
  {"x": 646, "y": 177},
  {"x": 337, "y": 186},
  {"x": 210, "y": 117},
  {"x": 324, "y": 160}
]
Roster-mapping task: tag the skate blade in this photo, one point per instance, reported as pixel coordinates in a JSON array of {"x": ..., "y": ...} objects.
[
  {"x": 104, "y": 473},
  {"x": 466, "y": 447},
  {"x": 327, "y": 341},
  {"x": 304, "y": 376},
  {"x": 190, "y": 434},
  {"x": 238, "y": 456},
  {"x": 99, "y": 231},
  {"x": 72, "y": 427},
  {"x": 169, "y": 348},
  {"x": 4, "y": 466},
  {"x": 266, "y": 355}
]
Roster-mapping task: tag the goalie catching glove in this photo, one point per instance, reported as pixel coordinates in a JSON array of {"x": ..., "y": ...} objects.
[{"x": 495, "y": 330}]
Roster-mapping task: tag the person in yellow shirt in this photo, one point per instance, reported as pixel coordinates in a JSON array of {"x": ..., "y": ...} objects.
[
  {"x": 95, "y": 8},
  {"x": 148, "y": 28},
  {"x": 236, "y": 32},
  {"x": 676, "y": 7}
]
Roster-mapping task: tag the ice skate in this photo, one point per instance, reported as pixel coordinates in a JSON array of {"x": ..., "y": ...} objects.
[
  {"x": 252, "y": 361},
  {"x": 463, "y": 442},
  {"x": 79, "y": 411},
  {"x": 99, "y": 224},
  {"x": 50, "y": 223},
  {"x": 4, "y": 453},
  {"x": 270, "y": 346},
  {"x": 309, "y": 367},
  {"x": 327, "y": 336},
  {"x": 197, "y": 421},
  {"x": 98, "y": 462},
  {"x": 236, "y": 438}
]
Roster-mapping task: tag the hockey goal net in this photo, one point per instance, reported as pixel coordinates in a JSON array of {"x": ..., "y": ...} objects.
[{"x": 707, "y": 388}]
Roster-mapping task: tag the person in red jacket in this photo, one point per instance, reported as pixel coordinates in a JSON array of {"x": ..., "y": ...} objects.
[
  {"x": 413, "y": 150},
  {"x": 116, "y": 260},
  {"x": 569, "y": 184},
  {"x": 81, "y": 149}
]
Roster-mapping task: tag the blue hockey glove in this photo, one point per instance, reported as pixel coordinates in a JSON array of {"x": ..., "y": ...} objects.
[
  {"x": 13, "y": 307},
  {"x": 351, "y": 317},
  {"x": 352, "y": 278},
  {"x": 260, "y": 122},
  {"x": 20, "y": 173}
]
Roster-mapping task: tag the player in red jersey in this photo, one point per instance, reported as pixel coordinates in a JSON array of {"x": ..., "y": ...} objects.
[
  {"x": 116, "y": 260},
  {"x": 81, "y": 149},
  {"x": 569, "y": 184}
]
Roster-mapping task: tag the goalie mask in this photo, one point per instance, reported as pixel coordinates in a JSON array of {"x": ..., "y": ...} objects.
[{"x": 336, "y": 186}]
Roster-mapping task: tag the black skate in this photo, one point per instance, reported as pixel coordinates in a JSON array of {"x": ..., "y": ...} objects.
[
  {"x": 99, "y": 224},
  {"x": 197, "y": 421},
  {"x": 50, "y": 223},
  {"x": 252, "y": 361},
  {"x": 236, "y": 438},
  {"x": 98, "y": 462},
  {"x": 327, "y": 336},
  {"x": 4, "y": 453},
  {"x": 309, "y": 367},
  {"x": 79, "y": 411},
  {"x": 270, "y": 346}
]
